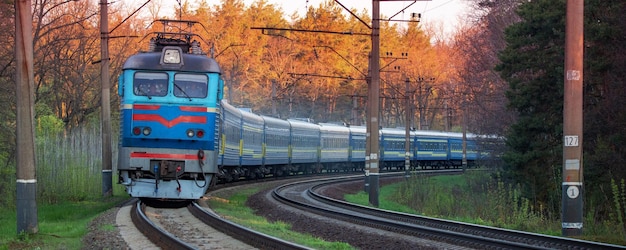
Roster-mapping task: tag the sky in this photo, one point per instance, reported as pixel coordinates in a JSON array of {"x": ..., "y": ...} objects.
[{"x": 436, "y": 12}]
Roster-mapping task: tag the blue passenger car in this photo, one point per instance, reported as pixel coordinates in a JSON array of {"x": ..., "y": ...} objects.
[
  {"x": 335, "y": 144},
  {"x": 276, "y": 142},
  {"x": 431, "y": 149},
  {"x": 357, "y": 147},
  {"x": 456, "y": 149},
  {"x": 242, "y": 146},
  {"x": 392, "y": 148},
  {"x": 251, "y": 139},
  {"x": 305, "y": 143},
  {"x": 231, "y": 135}
]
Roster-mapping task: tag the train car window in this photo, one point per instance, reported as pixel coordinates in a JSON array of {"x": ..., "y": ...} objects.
[
  {"x": 190, "y": 85},
  {"x": 150, "y": 84}
]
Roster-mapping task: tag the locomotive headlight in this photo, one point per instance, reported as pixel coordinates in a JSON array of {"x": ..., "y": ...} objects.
[
  {"x": 147, "y": 131},
  {"x": 171, "y": 56},
  {"x": 190, "y": 133},
  {"x": 136, "y": 130},
  {"x": 200, "y": 133}
]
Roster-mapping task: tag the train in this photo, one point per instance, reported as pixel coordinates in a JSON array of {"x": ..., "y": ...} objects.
[{"x": 179, "y": 137}]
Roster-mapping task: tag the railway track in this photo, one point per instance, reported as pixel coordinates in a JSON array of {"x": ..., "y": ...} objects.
[
  {"x": 177, "y": 228},
  {"x": 309, "y": 196},
  {"x": 306, "y": 196},
  {"x": 159, "y": 236}
]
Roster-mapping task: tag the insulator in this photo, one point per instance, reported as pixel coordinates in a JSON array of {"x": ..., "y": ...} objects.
[
  {"x": 195, "y": 48},
  {"x": 152, "y": 46}
]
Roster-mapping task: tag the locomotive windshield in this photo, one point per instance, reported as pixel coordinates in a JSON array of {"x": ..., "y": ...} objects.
[
  {"x": 190, "y": 85},
  {"x": 155, "y": 84},
  {"x": 150, "y": 84}
]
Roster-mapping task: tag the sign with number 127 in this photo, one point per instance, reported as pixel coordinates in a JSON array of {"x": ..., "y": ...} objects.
[{"x": 571, "y": 141}]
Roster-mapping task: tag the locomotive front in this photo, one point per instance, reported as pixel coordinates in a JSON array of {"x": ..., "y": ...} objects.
[{"x": 169, "y": 129}]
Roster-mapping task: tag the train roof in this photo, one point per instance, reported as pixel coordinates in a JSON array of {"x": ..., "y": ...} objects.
[
  {"x": 392, "y": 131},
  {"x": 275, "y": 121},
  {"x": 333, "y": 127},
  {"x": 191, "y": 63},
  {"x": 358, "y": 129},
  {"x": 459, "y": 135},
  {"x": 430, "y": 133},
  {"x": 303, "y": 124}
]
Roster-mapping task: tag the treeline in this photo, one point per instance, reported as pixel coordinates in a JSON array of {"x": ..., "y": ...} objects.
[
  {"x": 533, "y": 65},
  {"x": 322, "y": 75}
]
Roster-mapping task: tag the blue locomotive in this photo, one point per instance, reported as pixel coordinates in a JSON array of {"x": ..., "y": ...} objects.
[{"x": 170, "y": 108}]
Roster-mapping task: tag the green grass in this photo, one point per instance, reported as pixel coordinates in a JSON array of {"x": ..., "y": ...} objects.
[
  {"x": 362, "y": 198},
  {"x": 474, "y": 198},
  {"x": 234, "y": 209},
  {"x": 69, "y": 188},
  {"x": 61, "y": 226}
]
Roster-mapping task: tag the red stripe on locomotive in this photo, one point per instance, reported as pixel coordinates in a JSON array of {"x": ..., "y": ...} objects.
[
  {"x": 163, "y": 156},
  {"x": 172, "y": 123}
]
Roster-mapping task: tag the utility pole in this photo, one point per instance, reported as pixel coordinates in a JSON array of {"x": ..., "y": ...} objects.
[
  {"x": 420, "y": 80},
  {"x": 368, "y": 128},
  {"x": 105, "y": 102},
  {"x": 26, "y": 183},
  {"x": 464, "y": 143},
  {"x": 274, "y": 112},
  {"x": 407, "y": 132},
  {"x": 354, "y": 114},
  {"x": 572, "y": 187},
  {"x": 374, "y": 102},
  {"x": 372, "y": 150}
]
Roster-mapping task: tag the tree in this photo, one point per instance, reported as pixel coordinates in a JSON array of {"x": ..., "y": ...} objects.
[
  {"x": 8, "y": 103},
  {"x": 604, "y": 90},
  {"x": 477, "y": 45},
  {"x": 532, "y": 64},
  {"x": 66, "y": 44}
]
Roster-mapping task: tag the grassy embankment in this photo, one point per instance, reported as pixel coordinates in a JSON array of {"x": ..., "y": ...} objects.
[
  {"x": 478, "y": 198},
  {"x": 474, "y": 198},
  {"x": 232, "y": 207},
  {"x": 61, "y": 226},
  {"x": 69, "y": 192}
]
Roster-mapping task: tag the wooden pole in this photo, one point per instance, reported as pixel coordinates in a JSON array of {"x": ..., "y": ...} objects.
[
  {"x": 107, "y": 169},
  {"x": 374, "y": 101},
  {"x": 572, "y": 187},
  {"x": 24, "y": 80}
]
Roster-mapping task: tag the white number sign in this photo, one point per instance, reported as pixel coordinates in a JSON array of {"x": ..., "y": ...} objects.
[
  {"x": 571, "y": 141},
  {"x": 572, "y": 192}
]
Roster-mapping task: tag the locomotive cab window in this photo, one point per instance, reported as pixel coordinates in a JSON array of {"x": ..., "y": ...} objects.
[
  {"x": 150, "y": 84},
  {"x": 190, "y": 85}
]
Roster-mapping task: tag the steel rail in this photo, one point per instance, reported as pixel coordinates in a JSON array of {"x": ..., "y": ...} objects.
[
  {"x": 246, "y": 235},
  {"x": 528, "y": 238},
  {"x": 154, "y": 233},
  {"x": 448, "y": 231}
]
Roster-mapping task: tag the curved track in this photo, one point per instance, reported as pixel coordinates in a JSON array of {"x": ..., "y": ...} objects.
[
  {"x": 306, "y": 196},
  {"x": 204, "y": 236},
  {"x": 241, "y": 233},
  {"x": 156, "y": 234}
]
